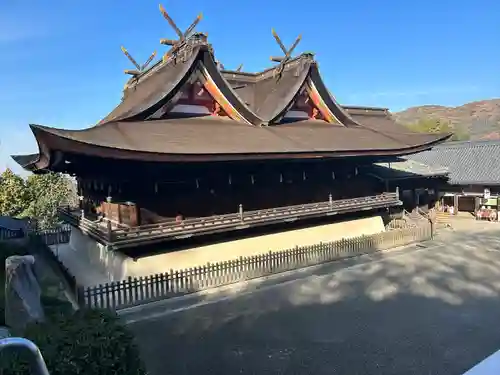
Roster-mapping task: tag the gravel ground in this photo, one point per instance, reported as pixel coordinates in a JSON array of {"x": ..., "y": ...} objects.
[{"x": 425, "y": 311}]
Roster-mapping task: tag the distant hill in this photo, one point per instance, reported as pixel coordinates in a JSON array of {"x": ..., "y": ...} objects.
[{"x": 480, "y": 120}]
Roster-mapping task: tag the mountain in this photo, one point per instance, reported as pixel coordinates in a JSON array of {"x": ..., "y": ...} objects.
[{"x": 479, "y": 120}]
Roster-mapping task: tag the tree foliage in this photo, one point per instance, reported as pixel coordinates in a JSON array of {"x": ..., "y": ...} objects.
[
  {"x": 37, "y": 196},
  {"x": 13, "y": 194},
  {"x": 430, "y": 125},
  {"x": 45, "y": 193}
]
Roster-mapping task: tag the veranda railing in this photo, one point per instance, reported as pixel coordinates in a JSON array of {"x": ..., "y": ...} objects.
[{"x": 122, "y": 237}]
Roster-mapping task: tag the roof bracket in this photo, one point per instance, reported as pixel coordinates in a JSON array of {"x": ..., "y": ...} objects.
[{"x": 282, "y": 60}]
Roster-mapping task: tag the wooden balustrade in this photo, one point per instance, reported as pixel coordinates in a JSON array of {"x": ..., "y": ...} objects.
[{"x": 126, "y": 237}]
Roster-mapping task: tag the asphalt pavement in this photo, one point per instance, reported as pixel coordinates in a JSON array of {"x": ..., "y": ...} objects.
[{"x": 432, "y": 310}]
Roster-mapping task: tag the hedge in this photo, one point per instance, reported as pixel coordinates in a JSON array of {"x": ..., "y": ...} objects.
[{"x": 88, "y": 342}]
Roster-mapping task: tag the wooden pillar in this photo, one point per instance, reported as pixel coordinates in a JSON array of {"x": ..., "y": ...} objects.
[{"x": 455, "y": 204}]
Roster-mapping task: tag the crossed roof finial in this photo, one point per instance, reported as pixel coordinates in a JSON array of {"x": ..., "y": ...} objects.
[
  {"x": 140, "y": 68},
  {"x": 282, "y": 60},
  {"x": 182, "y": 36}
]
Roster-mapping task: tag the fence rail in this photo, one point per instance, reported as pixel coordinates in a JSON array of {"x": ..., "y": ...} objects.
[
  {"x": 10, "y": 234},
  {"x": 125, "y": 237},
  {"x": 54, "y": 236},
  {"x": 135, "y": 291}
]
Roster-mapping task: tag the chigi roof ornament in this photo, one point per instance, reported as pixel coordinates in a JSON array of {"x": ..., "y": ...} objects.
[
  {"x": 282, "y": 60},
  {"x": 183, "y": 36},
  {"x": 140, "y": 68},
  {"x": 222, "y": 67},
  {"x": 166, "y": 117}
]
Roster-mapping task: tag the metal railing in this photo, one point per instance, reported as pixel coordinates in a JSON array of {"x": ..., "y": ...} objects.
[
  {"x": 20, "y": 342},
  {"x": 124, "y": 237}
]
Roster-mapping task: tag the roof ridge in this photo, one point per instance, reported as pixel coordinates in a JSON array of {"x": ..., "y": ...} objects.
[{"x": 263, "y": 74}]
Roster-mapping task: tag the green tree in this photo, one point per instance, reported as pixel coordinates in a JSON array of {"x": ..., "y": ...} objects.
[
  {"x": 14, "y": 197},
  {"x": 460, "y": 134},
  {"x": 36, "y": 197},
  {"x": 45, "y": 193}
]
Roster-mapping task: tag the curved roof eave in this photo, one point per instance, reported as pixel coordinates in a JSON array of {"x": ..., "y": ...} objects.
[
  {"x": 35, "y": 162},
  {"x": 437, "y": 139},
  {"x": 28, "y": 162},
  {"x": 26, "y": 159},
  {"x": 49, "y": 141},
  {"x": 337, "y": 110}
]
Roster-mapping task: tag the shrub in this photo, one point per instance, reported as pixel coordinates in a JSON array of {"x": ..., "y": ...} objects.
[{"x": 89, "y": 342}]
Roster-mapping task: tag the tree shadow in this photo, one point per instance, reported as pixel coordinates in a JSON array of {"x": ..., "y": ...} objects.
[{"x": 424, "y": 311}]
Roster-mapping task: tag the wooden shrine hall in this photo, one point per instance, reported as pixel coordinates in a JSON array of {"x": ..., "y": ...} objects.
[{"x": 196, "y": 148}]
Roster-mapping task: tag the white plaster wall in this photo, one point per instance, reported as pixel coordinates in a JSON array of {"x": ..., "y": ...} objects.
[
  {"x": 256, "y": 245},
  {"x": 90, "y": 262}
]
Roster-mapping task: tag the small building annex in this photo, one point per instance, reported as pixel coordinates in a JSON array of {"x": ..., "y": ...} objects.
[{"x": 474, "y": 173}]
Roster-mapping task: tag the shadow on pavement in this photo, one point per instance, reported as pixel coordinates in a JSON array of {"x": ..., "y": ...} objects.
[{"x": 431, "y": 311}]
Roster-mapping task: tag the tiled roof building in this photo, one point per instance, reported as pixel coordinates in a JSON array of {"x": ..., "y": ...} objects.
[{"x": 469, "y": 163}]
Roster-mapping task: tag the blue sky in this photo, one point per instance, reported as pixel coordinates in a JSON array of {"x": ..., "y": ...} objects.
[{"x": 61, "y": 63}]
